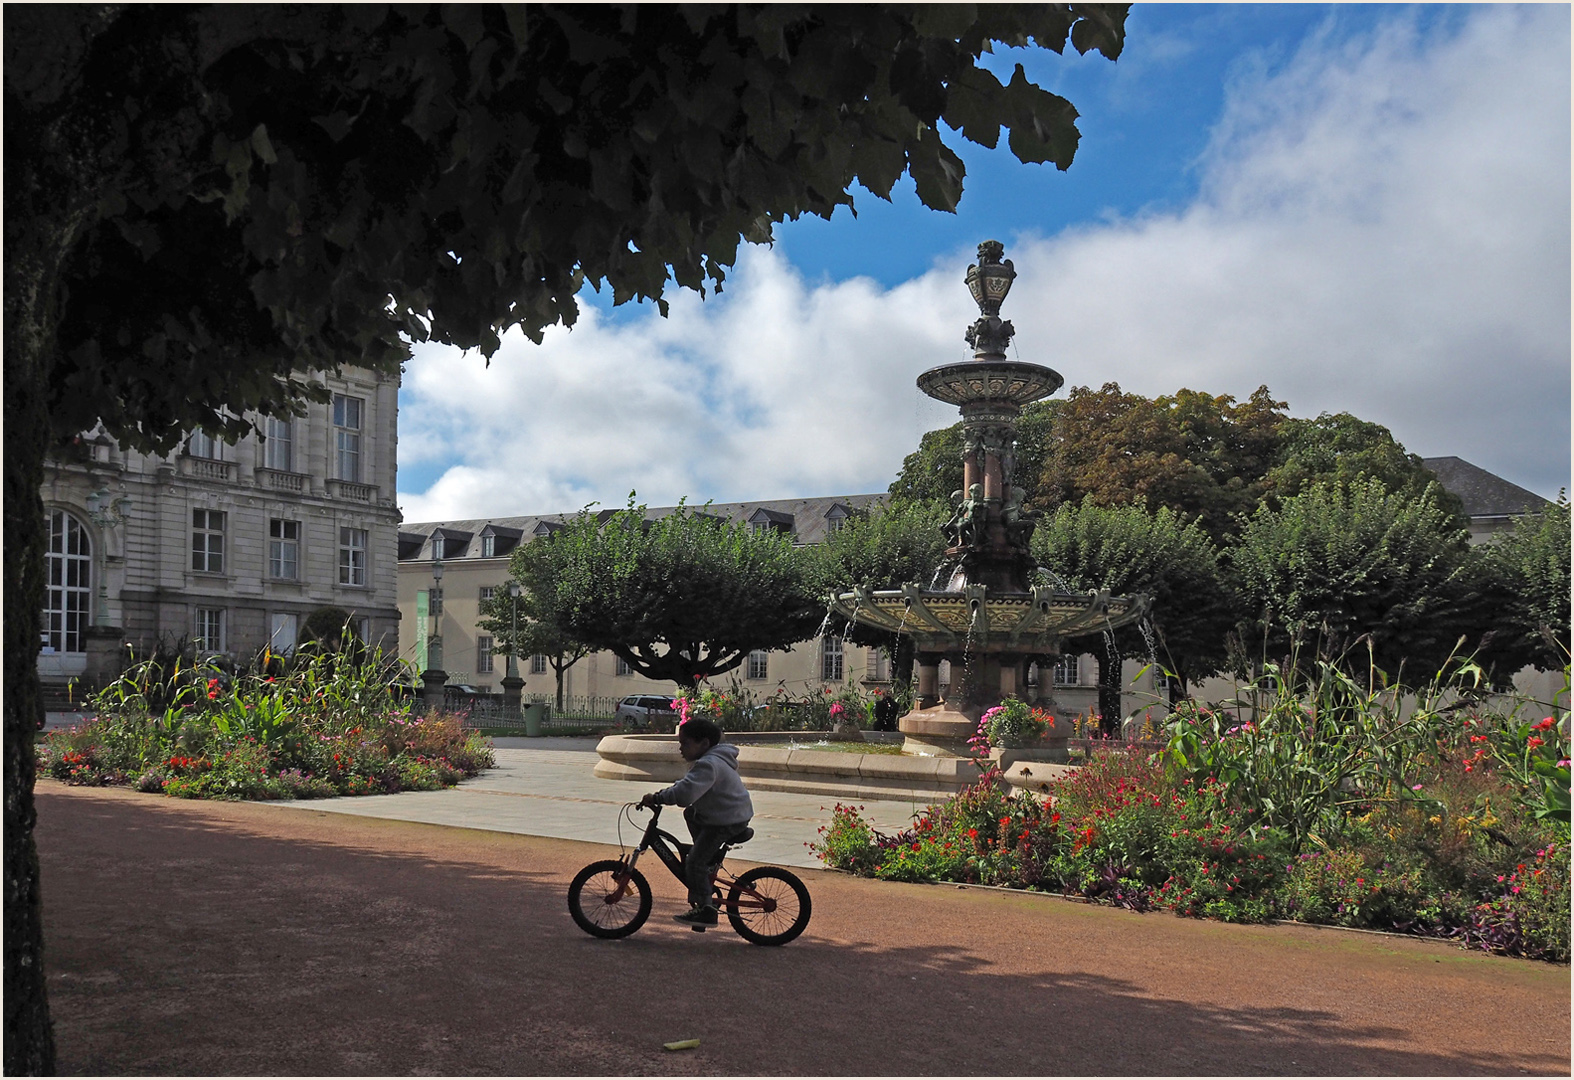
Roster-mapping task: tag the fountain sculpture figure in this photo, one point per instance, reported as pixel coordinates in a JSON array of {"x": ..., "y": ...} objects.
[{"x": 991, "y": 619}]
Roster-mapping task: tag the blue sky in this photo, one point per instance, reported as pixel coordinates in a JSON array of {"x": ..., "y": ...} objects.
[{"x": 1364, "y": 206}]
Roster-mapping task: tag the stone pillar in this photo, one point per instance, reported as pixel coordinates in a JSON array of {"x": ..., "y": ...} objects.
[
  {"x": 1009, "y": 682},
  {"x": 928, "y": 680},
  {"x": 105, "y": 657},
  {"x": 512, "y": 685},
  {"x": 432, "y": 682}
]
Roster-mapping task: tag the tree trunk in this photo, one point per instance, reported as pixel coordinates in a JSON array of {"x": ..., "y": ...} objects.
[
  {"x": 560, "y": 669},
  {"x": 30, "y": 275},
  {"x": 1109, "y": 689}
]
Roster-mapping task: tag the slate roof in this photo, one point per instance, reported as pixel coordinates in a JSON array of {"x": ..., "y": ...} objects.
[
  {"x": 809, "y": 516},
  {"x": 1484, "y": 494}
]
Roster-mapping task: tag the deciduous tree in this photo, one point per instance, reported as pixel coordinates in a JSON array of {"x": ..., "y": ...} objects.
[
  {"x": 501, "y": 619},
  {"x": 885, "y": 548},
  {"x": 1339, "y": 562},
  {"x": 681, "y": 598},
  {"x": 1128, "y": 549}
]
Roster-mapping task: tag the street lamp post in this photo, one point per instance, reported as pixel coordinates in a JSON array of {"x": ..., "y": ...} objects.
[
  {"x": 512, "y": 683},
  {"x": 434, "y": 677}
]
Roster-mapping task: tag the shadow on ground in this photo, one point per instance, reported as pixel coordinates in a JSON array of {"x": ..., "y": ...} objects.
[{"x": 187, "y": 938}]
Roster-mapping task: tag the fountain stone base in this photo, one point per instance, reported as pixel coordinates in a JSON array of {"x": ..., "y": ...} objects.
[{"x": 939, "y": 731}]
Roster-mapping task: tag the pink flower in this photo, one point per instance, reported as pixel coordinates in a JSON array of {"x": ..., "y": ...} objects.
[
  {"x": 1415, "y": 787},
  {"x": 836, "y": 708}
]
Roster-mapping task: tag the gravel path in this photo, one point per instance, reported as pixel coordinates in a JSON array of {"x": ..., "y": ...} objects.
[{"x": 214, "y": 938}]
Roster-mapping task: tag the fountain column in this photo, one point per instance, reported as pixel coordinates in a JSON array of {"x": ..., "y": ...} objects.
[{"x": 993, "y": 614}]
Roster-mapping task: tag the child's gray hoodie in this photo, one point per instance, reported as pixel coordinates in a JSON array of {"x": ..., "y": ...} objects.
[{"x": 713, "y": 788}]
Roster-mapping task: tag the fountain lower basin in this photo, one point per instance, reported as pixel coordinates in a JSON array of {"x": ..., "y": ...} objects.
[{"x": 654, "y": 760}]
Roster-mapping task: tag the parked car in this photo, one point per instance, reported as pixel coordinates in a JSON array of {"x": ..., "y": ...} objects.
[{"x": 646, "y": 712}]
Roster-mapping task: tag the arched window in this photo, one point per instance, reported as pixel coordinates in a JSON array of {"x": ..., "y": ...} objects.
[{"x": 68, "y": 577}]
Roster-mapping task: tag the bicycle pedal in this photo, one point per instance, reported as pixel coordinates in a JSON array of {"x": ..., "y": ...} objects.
[{"x": 699, "y": 929}]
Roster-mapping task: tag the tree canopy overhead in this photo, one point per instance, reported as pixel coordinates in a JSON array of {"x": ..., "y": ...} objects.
[{"x": 235, "y": 195}]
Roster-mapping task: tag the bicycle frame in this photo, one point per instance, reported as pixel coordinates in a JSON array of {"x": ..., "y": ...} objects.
[{"x": 672, "y": 852}]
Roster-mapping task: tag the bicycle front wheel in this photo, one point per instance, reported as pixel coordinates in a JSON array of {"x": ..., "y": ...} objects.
[
  {"x": 768, "y": 906},
  {"x": 603, "y": 905}
]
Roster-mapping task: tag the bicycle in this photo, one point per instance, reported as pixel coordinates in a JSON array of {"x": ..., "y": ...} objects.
[{"x": 611, "y": 898}]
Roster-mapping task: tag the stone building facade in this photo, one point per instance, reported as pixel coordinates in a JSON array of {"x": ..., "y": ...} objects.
[{"x": 227, "y": 546}]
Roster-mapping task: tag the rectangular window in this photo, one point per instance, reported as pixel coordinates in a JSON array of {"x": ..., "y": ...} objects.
[
  {"x": 278, "y": 438},
  {"x": 483, "y": 655},
  {"x": 488, "y": 592},
  {"x": 538, "y": 664},
  {"x": 623, "y": 667},
  {"x": 203, "y": 445},
  {"x": 1068, "y": 671},
  {"x": 281, "y": 638},
  {"x": 208, "y": 630},
  {"x": 488, "y": 546},
  {"x": 347, "y": 436},
  {"x": 207, "y": 541},
  {"x": 759, "y": 664},
  {"x": 363, "y": 629},
  {"x": 352, "y": 556},
  {"x": 831, "y": 659},
  {"x": 284, "y": 549}
]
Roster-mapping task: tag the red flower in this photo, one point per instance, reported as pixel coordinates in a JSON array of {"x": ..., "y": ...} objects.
[{"x": 1534, "y": 742}]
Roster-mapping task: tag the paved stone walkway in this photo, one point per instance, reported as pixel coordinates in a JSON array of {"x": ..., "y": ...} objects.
[{"x": 544, "y": 787}]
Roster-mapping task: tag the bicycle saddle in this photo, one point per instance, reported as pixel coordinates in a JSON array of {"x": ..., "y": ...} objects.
[{"x": 743, "y": 836}]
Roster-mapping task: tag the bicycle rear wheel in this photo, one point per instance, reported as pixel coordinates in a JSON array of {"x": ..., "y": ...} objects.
[
  {"x": 595, "y": 902},
  {"x": 777, "y": 906}
]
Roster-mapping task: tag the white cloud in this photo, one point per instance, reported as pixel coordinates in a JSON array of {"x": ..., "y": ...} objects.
[{"x": 1383, "y": 227}]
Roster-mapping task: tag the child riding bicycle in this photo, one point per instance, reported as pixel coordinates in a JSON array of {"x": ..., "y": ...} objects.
[{"x": 716, "y": 806}]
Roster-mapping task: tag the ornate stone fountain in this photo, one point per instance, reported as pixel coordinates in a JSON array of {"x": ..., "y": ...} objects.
[{"x": 993, "y": 617}]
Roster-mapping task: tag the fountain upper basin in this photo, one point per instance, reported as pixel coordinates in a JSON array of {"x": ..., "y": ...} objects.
[{"x": 987, "y": 621}]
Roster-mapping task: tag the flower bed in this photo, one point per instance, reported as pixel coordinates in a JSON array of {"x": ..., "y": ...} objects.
[
  {"x": 320, "y": 725},
  {"x": 1450, "y": 822}
]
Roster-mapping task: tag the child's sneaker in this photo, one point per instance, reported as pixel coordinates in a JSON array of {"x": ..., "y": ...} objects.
[{"x": 698, "y": 918}]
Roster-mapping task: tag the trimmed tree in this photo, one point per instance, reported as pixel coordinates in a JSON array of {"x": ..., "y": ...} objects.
[
  {"x": 1340, "y": 562},
  {"x": 680, "y": 598},
  {"x": 883, "y": 549},
  {"x": 1526, "y": 570},
  {"x": 1127, "y": 549},
  {"x": 206, "y": 204},
  {"x": 536, "y": 637}
]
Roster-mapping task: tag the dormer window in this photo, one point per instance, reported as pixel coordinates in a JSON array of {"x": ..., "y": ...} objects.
[
  {"x": 764, "y": 521},
  {"x": 835, "y": 518},
  {"x": 497, "y": 541}
]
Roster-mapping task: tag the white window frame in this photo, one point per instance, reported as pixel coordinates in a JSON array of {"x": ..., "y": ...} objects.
[
  {"x": 349, "y": 417},
  {"x": 1068, "y": 670},
  {"x": 623, "y": 667},
  {"x": 758, "y": 665},
  {"x": 283, "y": 628},
  {"x": 832, "y": 666},
  {"x": 208, "y": 624},
  {"x": 278, "y": 443},
  {"x": 284, "y": 549},
  {"x": 487, "y": 592},
  {"x": 483, "y": 655},
  {"x": 68, "y": 584},
  {"x": 489, "y": 546},
  {"x": 352, "y": 556},
  {"x": 207, "y": 540},
  {"x": 538, "y": 664}
]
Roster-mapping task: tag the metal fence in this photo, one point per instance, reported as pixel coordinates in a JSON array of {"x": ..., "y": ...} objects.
[{"x": 487, "y": 711}]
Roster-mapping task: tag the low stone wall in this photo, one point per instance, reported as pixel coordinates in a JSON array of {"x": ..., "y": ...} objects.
[{"x": 654, "y": 760}]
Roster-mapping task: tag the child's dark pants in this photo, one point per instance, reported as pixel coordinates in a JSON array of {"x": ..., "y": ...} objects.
[{"x": 708, "y": 841}]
